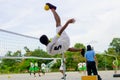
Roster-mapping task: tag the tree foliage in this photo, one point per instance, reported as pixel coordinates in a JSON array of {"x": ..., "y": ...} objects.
[
  {"x": 116, "y": 45},
  {"x": 72, "y": 58}
]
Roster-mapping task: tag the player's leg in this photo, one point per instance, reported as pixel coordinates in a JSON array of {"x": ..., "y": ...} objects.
[
  {"x": 57, "y": 18},
  {"x": 63, "y": 74},
  {"x": 89, "y": 68},
  {"x": 55, "y": 14},
  {"x": 34, "y": 74},
  {"x": 94, "y": 69}
]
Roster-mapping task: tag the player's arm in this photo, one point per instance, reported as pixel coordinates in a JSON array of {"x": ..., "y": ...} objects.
[
  {"x": 74, "y": 50},
  {"x": 82, "y": 51},
  {"x": 65, "y": 26}
]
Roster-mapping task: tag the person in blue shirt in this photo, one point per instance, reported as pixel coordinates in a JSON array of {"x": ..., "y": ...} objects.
[{"x": 91, "y": 61}]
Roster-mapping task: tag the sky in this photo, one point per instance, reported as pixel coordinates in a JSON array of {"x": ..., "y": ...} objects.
[{"x": 97, "y": 21}]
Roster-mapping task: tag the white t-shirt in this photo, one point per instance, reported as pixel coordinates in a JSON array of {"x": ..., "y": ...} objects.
[
  {"x": 84, "y": 64},
  {"x": 31, "y": 64},
  {"x": 59, "y": 44},
  {"x": 36, "y": 64},
  {"x": 80, "y": 65},
  {"x": 43, "y": 66}
]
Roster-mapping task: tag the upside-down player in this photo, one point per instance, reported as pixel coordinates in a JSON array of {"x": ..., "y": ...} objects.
[{"x": 60, "y": 42}]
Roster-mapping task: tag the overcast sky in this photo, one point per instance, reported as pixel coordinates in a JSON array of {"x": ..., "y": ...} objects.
[{"x": 97, "y": 21}]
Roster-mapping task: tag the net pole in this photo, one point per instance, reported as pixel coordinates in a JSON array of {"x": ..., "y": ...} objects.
[{"x": 64, "y": 66}]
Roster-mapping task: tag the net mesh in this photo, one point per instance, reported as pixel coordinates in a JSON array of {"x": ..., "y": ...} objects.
[{"x": 10, "y": 41}]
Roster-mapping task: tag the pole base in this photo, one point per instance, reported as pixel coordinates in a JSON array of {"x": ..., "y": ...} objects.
[{"x": 116, "y": 75}]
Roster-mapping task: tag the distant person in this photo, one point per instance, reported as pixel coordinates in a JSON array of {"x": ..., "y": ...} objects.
[
  {"x": 36, "y": 68},
  {"x": 31, "y": 69},
  {"x": 91, "y": 62},
  {"x": 82, "y": 67},
  {"x": 115, "y": 66},
  {"x": 43, "y": 68}
]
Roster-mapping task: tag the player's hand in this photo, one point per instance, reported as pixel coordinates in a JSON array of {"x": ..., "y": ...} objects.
[
  {"x": 71, "y": 20},
  {"x": 83, "y": 52}
]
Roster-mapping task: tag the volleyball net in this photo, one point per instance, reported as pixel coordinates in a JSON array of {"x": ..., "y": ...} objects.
[{"x": 11, "y": 41}]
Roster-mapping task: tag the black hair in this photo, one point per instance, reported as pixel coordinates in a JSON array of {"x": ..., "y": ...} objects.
[
  {"x": 44, "y": 40},
  {"x": 89, "y": 47}
]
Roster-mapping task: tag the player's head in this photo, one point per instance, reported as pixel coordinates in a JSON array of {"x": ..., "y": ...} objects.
[
  {"x": 89, "y": 47},
  {"x": 44, "y": 40}
]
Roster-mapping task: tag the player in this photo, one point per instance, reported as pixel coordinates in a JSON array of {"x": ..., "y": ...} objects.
[
  {"x": 115, "y": 66},
  {"x": 60, "y": 42},
  {"x": 31, "y": 69},
  {"x": 36, "y": 68},
  {"x": 84, "y": 68},
  {"x": 43, "y": 68},
  {"x": 80, "y": 67}
]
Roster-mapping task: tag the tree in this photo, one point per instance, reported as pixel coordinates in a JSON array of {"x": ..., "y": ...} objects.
[
  {"x": 79, "y": 45},
  {"x": 8, "y": 62},
  {"x": 9, "y": 53},
  {"x": 26, "y": 49},
  {"x": 17, "y": 53},
  {"x": 116, "y": 45}
]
